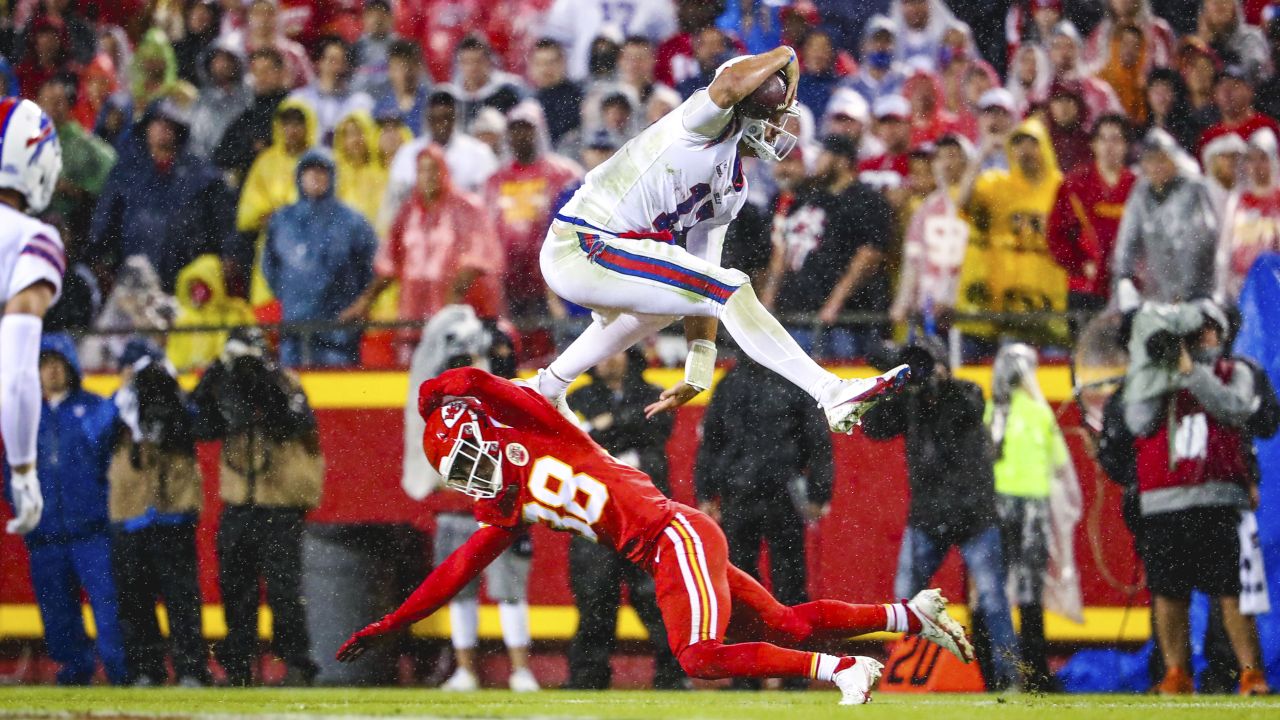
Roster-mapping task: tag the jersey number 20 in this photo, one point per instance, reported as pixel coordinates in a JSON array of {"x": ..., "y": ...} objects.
[{"x": 565, "y": 500}]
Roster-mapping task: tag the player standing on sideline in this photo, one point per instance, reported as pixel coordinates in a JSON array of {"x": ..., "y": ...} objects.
[
  {"x": 32, "y": 262},
  {"x": 640, "y": 243},
  {"x": 523, "y": 462}
]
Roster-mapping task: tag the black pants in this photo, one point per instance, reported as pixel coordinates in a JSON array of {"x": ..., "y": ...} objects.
[
  {"x": 776, "y": 522},
  {"x": 262, "y": 542},
  {"x": 159, "y": 563},
  {"x": 596, "y": 575}
]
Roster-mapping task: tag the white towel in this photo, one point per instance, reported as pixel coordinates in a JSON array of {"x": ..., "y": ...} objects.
[{"x": 1254, "y": 599}]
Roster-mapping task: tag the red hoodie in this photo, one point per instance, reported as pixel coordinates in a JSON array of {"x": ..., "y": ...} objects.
[{"x": 1083, "y": 227}]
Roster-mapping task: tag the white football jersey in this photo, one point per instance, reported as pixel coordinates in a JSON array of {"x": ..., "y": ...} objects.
[
  {"x": 30, "y": 251},
  {"x": 684, "y": 170}
]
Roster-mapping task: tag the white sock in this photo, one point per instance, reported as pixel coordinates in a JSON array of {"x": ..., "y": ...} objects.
[
  {"x": 826, "y": 669},
  {"x": 896, "y": 620},
  {"x": 764, "y": 339},
  {"x": 599, "y": 341},
  {"x": 515, "y": 624},
  {"x": 464, "y": 623}
]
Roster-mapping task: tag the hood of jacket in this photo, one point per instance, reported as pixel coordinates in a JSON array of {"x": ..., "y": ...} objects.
[
  {"x": 308, "y": 115},
  {"x": 1036, "y": 129},
  {"x": 363, "y": 120},
  {"x": 203, "y": 72},
  {"x": 154, "y": 45},
  {"x": 206, "y": 269},
  {"x": 315, "y": 157},
  {"x": 61, "y": 344}
]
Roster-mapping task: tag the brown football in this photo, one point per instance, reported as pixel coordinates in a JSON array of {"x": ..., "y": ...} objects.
[{"x": 765, "y": 100}]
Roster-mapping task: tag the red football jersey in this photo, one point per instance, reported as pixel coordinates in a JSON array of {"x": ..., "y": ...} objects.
[{"x": 552, "y": 472}]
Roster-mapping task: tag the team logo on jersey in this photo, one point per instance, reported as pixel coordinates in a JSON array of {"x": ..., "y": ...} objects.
[{"x": 517, "y": 454}]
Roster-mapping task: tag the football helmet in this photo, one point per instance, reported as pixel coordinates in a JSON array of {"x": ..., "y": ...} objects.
[
  {"x": 467, "y": 459},
  {"x": 771, "y": 138},
  {"x": 30, "y": 154}
]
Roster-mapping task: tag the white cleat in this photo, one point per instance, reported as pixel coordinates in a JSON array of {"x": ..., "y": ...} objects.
[
  {"x": 461, "y": 681},
  {"x": 523, "y": 681},
  {"x": 855, "y": 682},
  {"x": 937, "y": 626},
  {"x": 560, "y": 403},
  {"x": 855, "y": 397}
]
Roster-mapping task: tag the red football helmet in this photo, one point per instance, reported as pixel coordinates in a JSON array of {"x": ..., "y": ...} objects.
[{"x": 455, "y": 443}]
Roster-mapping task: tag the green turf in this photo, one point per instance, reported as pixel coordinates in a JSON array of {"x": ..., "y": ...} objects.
[{"x": 105, "y": 703}]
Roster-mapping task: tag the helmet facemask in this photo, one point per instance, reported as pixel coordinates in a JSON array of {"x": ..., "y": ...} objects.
[
  {"x": 473, "y": 466},
  {"x": 773, "y": 138}
]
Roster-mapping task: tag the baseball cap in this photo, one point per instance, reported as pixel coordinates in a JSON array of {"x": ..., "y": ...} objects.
[
  {"x": 998, "y": 98},
  {"x": 892, "y": 106},
  {"x": 849, "y": 103}
]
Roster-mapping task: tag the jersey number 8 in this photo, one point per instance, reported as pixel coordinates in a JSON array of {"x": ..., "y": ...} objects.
[{"x": 566, "y": 500}]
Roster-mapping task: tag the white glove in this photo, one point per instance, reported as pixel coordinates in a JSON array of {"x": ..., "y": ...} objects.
[{"x": 27, "y": 503}]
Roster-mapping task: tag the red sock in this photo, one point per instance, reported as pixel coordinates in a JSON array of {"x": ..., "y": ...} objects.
[
  {"x": 712, "y": 660},
  {"x": 835, "y": 619}
]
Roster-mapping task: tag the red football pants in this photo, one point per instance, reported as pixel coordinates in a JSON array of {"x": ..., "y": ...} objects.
[{"x": 703, "y": 598}]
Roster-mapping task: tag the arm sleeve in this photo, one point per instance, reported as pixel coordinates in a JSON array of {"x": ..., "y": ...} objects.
[
  {"x": 501, "y": 399},
  {"x": 20, "y": 386},
  {"x": 460, "y": 568},
  {"x": 1124, "y": 261},
  {"x": 1233, "y": 402},
  {"x": 703, "y": 118}
]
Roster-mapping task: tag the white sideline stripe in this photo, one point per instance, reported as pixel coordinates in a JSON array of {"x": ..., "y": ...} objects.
[
  {"x": 132, "y": 714},
  {"x": 695, "y": 603},
  {"x": 706, "y": 575}
]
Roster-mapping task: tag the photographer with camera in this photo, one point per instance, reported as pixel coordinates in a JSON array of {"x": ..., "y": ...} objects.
[
  {"x": 1192, "y": 411},
  {"x": 950, "y": 470},
  {"x": 155, "y": 496},
  {"x": 271, "y": 474}
]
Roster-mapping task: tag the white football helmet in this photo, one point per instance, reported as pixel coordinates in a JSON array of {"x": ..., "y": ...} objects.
[
  {"x": 772, "y": 138},
  {"x": 30, "y": 154}
]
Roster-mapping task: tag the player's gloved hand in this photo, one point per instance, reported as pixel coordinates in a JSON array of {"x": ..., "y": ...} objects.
[
  {"x": 28, "y": 504},
  {"x": 355, "y": 646}
]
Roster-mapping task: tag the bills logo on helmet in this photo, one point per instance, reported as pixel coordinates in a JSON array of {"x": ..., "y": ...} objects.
[
  {"x": 517, "y": 455},
  {"x": 40, "y": 140}
]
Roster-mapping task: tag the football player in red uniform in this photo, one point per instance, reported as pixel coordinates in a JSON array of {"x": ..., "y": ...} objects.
[{"x": 506, "y": 446}]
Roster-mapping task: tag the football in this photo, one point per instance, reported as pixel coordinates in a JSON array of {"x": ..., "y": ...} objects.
[{"x": 765, "y": 100}]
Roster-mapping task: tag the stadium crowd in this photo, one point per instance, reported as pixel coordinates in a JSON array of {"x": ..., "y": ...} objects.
[{"x": 350, "y": 169}]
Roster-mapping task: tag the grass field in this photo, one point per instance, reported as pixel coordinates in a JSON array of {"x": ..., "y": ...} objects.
[{"x": 106, "y": 704}]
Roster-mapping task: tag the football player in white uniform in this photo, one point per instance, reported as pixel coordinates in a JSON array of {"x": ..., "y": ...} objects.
[
  {"x": 640, "y": 243},
  {"x": 32, "y": 262}
]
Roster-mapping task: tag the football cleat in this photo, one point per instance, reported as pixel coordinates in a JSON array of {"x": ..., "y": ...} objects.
[
  {"x": 461, "y": 681},
  {"x": 853, "y": 398},
  {"x": 855, "y": 682},
  {"x": 937, "y": 626}
]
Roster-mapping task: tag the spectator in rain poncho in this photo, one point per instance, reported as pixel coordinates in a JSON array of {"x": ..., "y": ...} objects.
[
  {"x": 203, "y": 302},
  {"x": 223, "y": 96},
  {"x": 153, "y": 74},
  {"x": 921, "y": 25},
  {"x": 362, "y": 171},
  {"x": 935, "y": 242},
  {"x": 1065, "y": 48},
  {"x": 880, "y": 73},
  {"x": 1100, "y": 49},
  {"x": 137, "y": 304},
  {"x": 1251, "y": 220},
  {"x": 1223, "y": 29},
  {"x": 930, "y": 118},
  {"x": 1030, "y": 76},
  {"x": 1038, "y": 501},
  {"x": 97, "y": 83},
  {"x": 1168, "y": 238},
  {"x": 1221, "y": 159}
]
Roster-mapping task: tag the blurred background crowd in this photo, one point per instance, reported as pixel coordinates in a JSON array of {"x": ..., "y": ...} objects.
[{"x": 322, "y": 164}]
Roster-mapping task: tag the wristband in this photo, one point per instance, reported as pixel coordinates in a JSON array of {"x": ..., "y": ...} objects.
[{"x": 700, "y": 364}]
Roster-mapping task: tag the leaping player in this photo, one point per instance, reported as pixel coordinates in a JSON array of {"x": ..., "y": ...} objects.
[
  {"x": 640, "y": 242},
  {"x": 32, "y": 262},
  {"x": 523, "y": 462}
]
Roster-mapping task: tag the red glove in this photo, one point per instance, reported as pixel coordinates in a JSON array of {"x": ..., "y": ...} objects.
[{"x": 355, "y": 646}]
